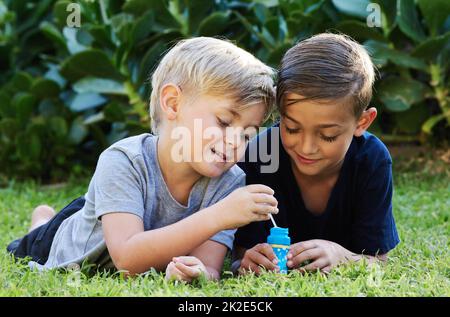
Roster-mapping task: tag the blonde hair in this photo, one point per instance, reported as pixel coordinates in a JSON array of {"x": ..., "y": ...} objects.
[
  {"x": 206, "y": 65},
  {"x": 327, "y": 66}
]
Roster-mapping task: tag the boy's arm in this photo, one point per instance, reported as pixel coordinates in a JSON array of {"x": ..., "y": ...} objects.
[
  {"x": 236, "y": 257},
  {"x": 324, "y": 255},
  {"x": 134, "y": 250},
  {"x": 212, "y": 255}
]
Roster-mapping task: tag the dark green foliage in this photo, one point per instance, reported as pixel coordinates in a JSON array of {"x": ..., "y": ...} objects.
[{"x": 67, "y": 93}]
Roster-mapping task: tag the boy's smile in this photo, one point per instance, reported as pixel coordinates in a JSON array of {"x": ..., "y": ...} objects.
[
  {"x": 219, "y": 133},
  {"x": 316, "y": 134}
]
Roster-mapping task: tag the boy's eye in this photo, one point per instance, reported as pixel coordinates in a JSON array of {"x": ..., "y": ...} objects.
[
  {"x": 328, "y": 138},
  {"x": 291, "y": 131},
  {"x": 223, "y": 123}
]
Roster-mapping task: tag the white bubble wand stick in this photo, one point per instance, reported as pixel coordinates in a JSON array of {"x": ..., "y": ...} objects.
[{"x": 273, "y": 221}]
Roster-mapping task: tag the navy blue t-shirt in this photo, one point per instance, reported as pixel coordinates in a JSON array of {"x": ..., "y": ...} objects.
[{"x": 358, "y": 215}]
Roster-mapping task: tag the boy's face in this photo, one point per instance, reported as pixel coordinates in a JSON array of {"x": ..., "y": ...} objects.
[
  {"x": 317, "y": 134},
  {"x": 219, "y": 132}
]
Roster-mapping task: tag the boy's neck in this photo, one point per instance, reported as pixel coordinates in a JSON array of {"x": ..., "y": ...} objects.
[
  {"x": 178, "y": 176},
  {"x": 324, "y": 176}
]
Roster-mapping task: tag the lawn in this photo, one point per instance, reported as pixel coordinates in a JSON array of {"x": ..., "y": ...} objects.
[{"x": 419, "y": 266}]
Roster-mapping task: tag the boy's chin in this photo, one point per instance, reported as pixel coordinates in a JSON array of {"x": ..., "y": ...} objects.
[{"x": 212, "y": 169}]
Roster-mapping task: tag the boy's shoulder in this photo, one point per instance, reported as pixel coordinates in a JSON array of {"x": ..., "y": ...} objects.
[
  {"x": 370, "y": 151},
  {"x": 234, "y": 175},
  {"x": 371, "y": 147},
  {"x": 133, "y": 146}
]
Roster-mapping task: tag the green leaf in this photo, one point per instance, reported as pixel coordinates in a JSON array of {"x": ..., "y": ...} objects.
[
  {"x": 28, "y": 146},
  {"x": 142, "y": 28},
  {"x": 162, "y": 14},
  {"x": 355, "y": 8},
  {"x": 49, "y": 107},
  {"x": 381, "y": 52},
  {"x": 8, "y": 128},
  {"x": 197, "y": 11},
  {"x": 6, "y": 111},
  {"x": 150, "y": 59},
  {"x": 45, "y": 88},
  {"x": 95, "y": 118},
  {"x": 23, "y": 104},
  {"x": 60, "y": 12},
  {"x": 54, "y": 75},
  {"x": 21, "y": 81},
  {"x": 114, "y": 112},
  {"x": 435, "y": 13},
  {"x": 399, "y": 94},
  {"x": 53, "y": 33},
  {"x": 265, "y": 37},
  {"x": 431, "y": 48},
  {"x": 408, "y": 20},
  {"x": 85, "y": 101},
  {"x": 78, "y": 131},
  {"x": 411, "y": 120},
  {"x": 360, "y": 31},
  {"x": 428, "y": 126},
  {"x": 91, "y": 62},
  {"x": 58, "y": 126},
  {"x": 84, "y": 37},
  {"x": 73, "y": 45},
  {"x": 214, "y": 24},
  {"x": 99, "y": 85}
]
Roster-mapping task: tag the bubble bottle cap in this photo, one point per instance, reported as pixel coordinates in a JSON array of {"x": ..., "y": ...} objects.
[{"x": 279, "y": 236}]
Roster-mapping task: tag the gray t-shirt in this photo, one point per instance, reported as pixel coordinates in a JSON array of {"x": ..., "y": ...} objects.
[{"x": 128, "y": 179}]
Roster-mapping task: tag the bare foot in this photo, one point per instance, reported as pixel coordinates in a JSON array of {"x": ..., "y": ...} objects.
[{"x": 41, "y": 215}]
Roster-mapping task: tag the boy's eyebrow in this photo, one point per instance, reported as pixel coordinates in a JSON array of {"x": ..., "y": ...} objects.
[
  {"x": 234, "y": 113},
  {"x": 238, "y": 115},
  {"x": 322, "y": 126}
]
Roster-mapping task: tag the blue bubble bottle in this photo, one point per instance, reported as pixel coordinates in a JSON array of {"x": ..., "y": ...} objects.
[{"x": 280, "y": 241}]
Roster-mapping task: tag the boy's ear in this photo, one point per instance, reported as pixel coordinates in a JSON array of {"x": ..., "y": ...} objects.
[
  {"x": 169, "y": 100},
  {"x": 365, "y": 121}
]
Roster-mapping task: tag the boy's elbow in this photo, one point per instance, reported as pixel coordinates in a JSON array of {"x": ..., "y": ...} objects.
[{"x": 382, "y": 257}]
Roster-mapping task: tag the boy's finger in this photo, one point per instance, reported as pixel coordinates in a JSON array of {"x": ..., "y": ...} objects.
[
  {"x": 310, "y": 254},
  {"x": 259, "y": 188},
  {"x": 249, "y": 267},
  {"x": 267, "y": 250},
  {"x": 187, "y": 260},
  {"x": 187, "y": 270},
  {"x": 176, "y": 274},
  {"x": 262, "y": 198},
  {"x": 264, "y": 209},
  {"x": 316, "y": 265},
  {"x": 261, "y": 260},
  {"x": 297, "y": 248}
]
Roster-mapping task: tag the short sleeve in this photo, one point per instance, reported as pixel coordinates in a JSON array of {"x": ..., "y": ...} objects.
[
  {"x": 374, "y": 230},
  {"x": 226, "y": 237},
  {"x": 250, "y": 235},
  {"x": 117, "y": 185}
]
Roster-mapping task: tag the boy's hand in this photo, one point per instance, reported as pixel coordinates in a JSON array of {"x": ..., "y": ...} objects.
[
  {"x": 185, "y": 268},
  {"x": 247, "y": 204},
  {"x": 323, "y": 255},
  {"x": 260, "y": 256}
]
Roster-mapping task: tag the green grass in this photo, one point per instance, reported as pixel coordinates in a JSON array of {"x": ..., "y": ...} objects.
[{"x": 419, "y": 266}]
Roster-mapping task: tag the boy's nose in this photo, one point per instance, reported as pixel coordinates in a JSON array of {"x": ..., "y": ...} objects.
[{"x": 309, "y": 146}]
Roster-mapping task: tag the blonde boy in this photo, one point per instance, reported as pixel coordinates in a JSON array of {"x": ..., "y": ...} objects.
[{"x": 144, "y": 206}]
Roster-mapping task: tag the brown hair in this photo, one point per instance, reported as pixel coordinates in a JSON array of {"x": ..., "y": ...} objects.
[{"x": 325, "y": 67}]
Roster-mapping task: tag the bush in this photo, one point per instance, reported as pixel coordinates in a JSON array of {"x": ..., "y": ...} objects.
[{"x": 66, "y": 93}]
